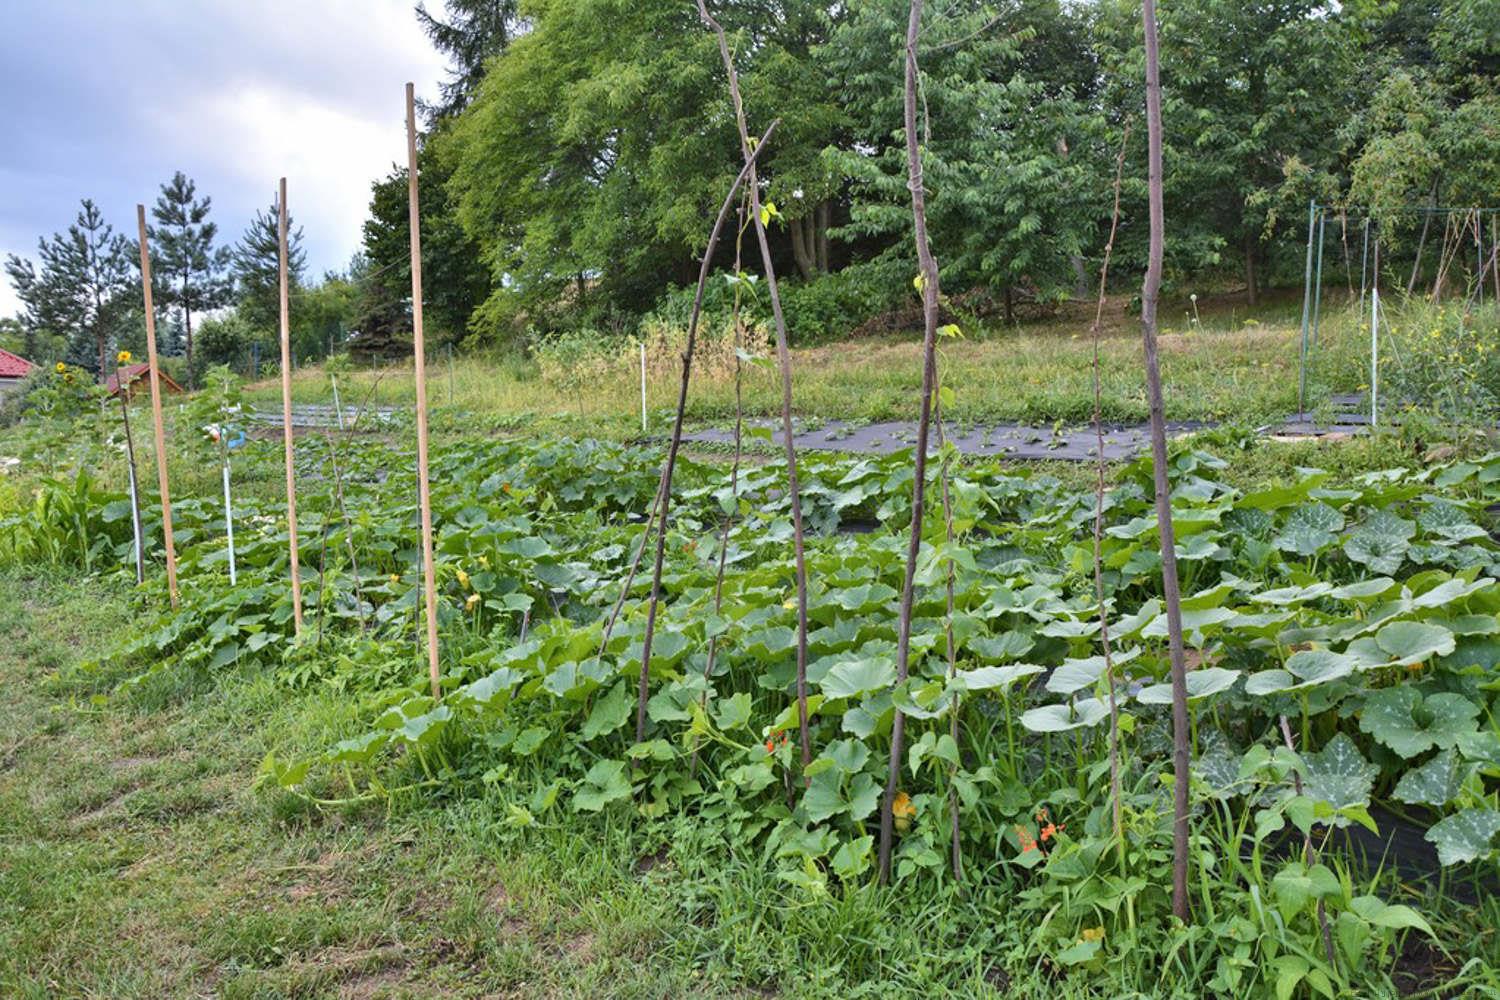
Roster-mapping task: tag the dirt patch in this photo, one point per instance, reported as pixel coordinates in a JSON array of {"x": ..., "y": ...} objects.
[
  {"x": 499, "y": 903},
  {"x": 579, "y": 947}
]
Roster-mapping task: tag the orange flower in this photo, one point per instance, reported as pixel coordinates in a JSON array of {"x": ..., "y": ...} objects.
[{"x": 1028, "y": 842}]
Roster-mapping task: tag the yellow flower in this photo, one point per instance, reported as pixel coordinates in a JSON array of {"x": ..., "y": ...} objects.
[
  {"x": 463, "y": 578},
  {"x": 902, "y": 811},
  {"x": 469, "y": 604},
  {"x": 61, "y": 368},
  {"x": 395, "y": 577},
  {"x": 484, "y": 561},
  {"x": 1092, "y": 934},
  {"x": 123, "y": 358}
]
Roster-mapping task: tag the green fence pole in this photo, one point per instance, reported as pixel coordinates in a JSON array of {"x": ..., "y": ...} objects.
[
  {"x": 1312, "y": 212},
  {"x": 1364, "y": 264},
  {"x": 1318, "y": 281}
]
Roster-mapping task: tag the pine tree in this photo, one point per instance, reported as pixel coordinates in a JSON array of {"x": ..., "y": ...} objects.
[
  {"x": 82, "y": 288},
  {"x": 257, "y": 269},
  {"x": 190, "y": 269},
  {"x": 474, "y": 31}
]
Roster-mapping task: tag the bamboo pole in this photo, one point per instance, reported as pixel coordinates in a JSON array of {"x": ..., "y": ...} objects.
[
  {"x": 429, "y": 581},
  {"x": 160, "y": 434},
  {"x": 286, "y": 409},
  {"x": 137, "y": 536}
]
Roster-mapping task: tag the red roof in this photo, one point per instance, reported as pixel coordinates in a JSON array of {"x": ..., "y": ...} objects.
[
  {"x": 131, "y": 373},
  {"x": 14, "y": 366}
]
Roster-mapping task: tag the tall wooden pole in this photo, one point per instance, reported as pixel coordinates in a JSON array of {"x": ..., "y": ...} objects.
[
  {"x": 429, "y": 581},
  {"x": 1170, "y": 594},
  {"x": 161, "y": 437},
  {"x": 286, "y": 409}
]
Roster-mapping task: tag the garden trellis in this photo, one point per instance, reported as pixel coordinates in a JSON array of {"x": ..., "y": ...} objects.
[{"x": 1475, "y": 228}]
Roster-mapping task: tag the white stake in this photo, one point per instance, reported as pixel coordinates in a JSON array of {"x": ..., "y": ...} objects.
[
  {"x": 135, "y": 528},
  {"x": 337, "y": 408},
  {"x": 229, "y": 525},
  {"x": 1374, "y": 352},
  {"x": 643, "y": 386}
]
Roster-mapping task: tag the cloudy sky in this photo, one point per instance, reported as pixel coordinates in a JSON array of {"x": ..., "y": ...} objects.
[{"x": 105, "y": 100}]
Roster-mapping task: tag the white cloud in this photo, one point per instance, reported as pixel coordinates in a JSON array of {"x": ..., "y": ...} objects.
[{"x": 109, "y": 100}]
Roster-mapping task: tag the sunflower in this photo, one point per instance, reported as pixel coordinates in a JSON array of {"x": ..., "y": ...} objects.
[{"x": 123, "y": 358}]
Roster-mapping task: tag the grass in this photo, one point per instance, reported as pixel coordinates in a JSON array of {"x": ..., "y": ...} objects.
[
  {"x": 138, "y": 861},
  {"x": 1228, "y": 367}
]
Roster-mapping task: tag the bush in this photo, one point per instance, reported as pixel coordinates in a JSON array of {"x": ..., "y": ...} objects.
[{"x": 1443, "y": 358}]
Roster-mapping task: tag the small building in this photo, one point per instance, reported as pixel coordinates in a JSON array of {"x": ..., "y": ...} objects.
[
  {"x": 131, "y": 374},
  {"x": 13, "y": 368}
]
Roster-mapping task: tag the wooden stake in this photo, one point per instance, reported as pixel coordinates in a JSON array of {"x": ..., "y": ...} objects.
[
  {"x": 160, "y": 434},
  {"x": 286, "y": 410},
  {"x": 429, "y": 582}
]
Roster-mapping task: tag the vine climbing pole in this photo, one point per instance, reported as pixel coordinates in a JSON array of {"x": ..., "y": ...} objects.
[
  {"x": 1170, "y": 595},
  {"x": 928, "y": 271},
  {"x": 424, "y": 490},
  {"x": 286, "y": 407},
  {"x": 156, "y": 423}
]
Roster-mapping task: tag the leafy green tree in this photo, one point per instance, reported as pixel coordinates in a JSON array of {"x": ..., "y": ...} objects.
[
  {"x": 189, "y": 268},
  {"x": 256, "y": 267},
  {"x": 82, "y": 289},
  {"x": 601, "y": 138},
  {"x": 1249, "y": 87},
  {"x": 1015, "y": 198},
  {"x": 455, "y": 280}
]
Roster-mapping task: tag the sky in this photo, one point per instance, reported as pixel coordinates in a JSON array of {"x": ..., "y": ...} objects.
[{"x": 106, "y": 100}]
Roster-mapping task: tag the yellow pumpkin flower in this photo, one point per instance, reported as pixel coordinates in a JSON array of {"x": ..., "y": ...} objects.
[{"x": 471, "y": 602}]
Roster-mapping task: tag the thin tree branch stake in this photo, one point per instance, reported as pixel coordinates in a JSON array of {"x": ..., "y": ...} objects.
[
  {"x": 784, "y": 360},
  {"x": 1115, "y": 795},
  {"x": 160, "y": 434},
  {"x": 1170, "y": 595},
  {"x": 429, "y": 580},
  {"x": 671, "y": 464},
  {"x": 929, "y": 276}
]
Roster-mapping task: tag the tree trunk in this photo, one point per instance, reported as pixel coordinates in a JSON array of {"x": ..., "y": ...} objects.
[
  {"x": 1252, "y": 280},
  {"x": 806, "y": 266},
  {"x": 187, "y": 321},
  {"x": 825, "y": 216},
  {"x": 1416, "y": 265},
  {"x": 1170, "y": 594}
]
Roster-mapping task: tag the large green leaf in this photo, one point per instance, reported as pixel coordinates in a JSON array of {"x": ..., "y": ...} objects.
[
  {"x": 1002, "y": 647},
  {"x": 604, "y": 783},
  {"x": 1414, "y": 642},
  {"x": 1304, "y": 669},
  {"x": 986, "y": 678},
  {"x": 1339, "y": 774},
  {"x": 1201, "y": 683},
  {"x": 1465, "y": 836},
  {"x": 1309, "y": 528},
  {"x": 1059, "y": 718},
  {"x": 1408, "y": 724},
  {"x": 1435, "y": 783},
  {"x": 852, "y": 677},
  {"x": 1381, "y": 542}
]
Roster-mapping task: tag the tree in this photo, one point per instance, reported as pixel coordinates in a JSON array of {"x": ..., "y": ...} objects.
[
  {"x": 190, "y": 268},
  {"x": 474, "y": 31},
  {"x": 1248, "y": 88},
  {"x": 1014, "y": 197},
  {"x": 598, "y": 142},
  {"x": 82, "y": 290},
  {"x": 456, "y": 280},
  {"x": 256, "y": 267}
]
